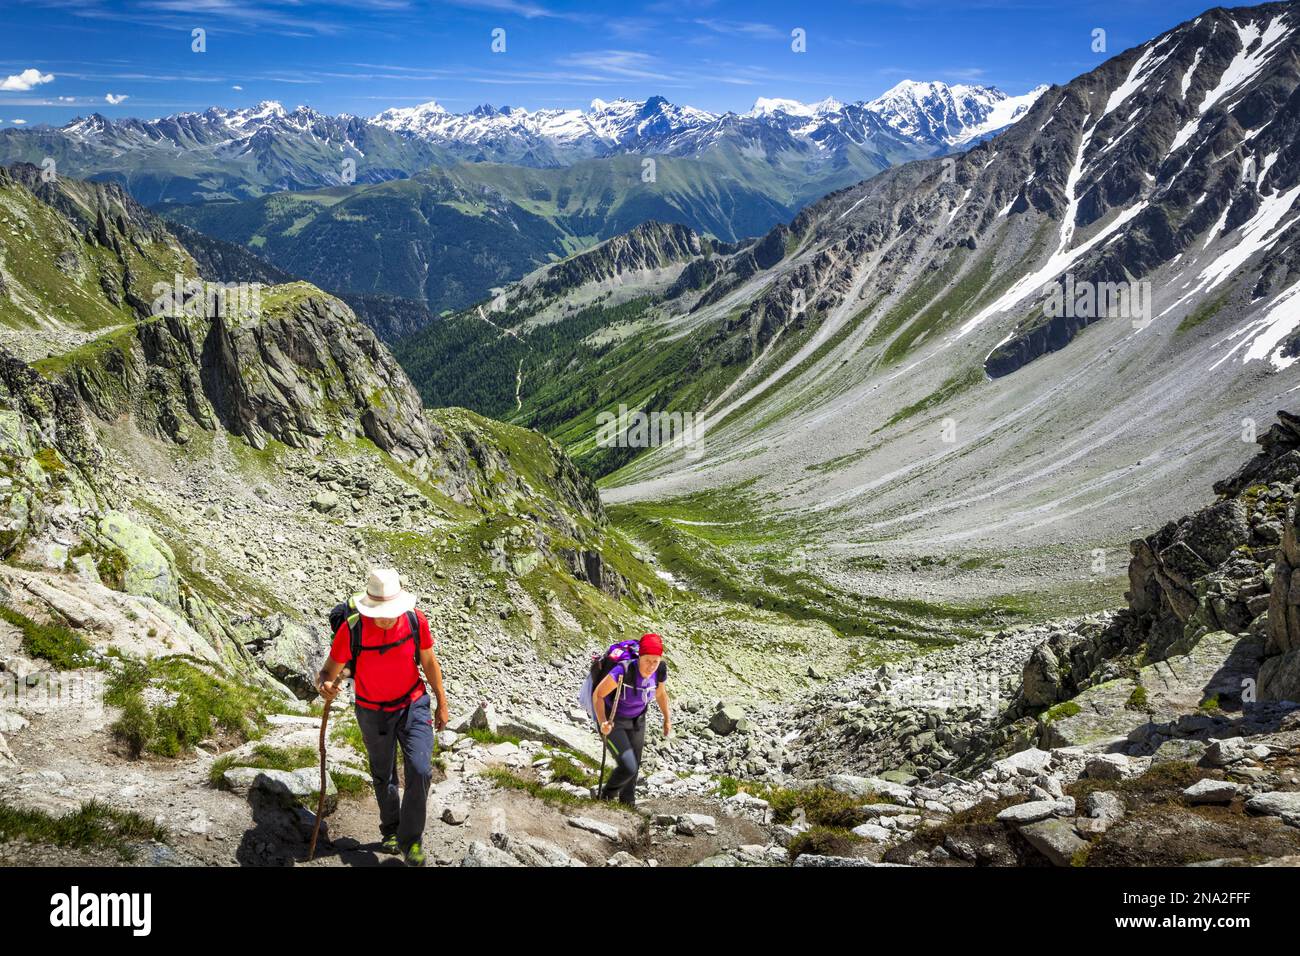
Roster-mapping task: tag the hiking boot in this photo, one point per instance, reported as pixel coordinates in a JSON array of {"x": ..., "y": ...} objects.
[
  {"x": 415, "y": 855},
  {"x": 390, "y": 846}
]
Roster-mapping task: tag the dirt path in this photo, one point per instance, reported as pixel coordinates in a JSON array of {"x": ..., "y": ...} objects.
[{"x": 65, "y": 761}]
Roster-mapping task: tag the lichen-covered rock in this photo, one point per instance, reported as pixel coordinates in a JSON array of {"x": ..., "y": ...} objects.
[
  {"x": 286, "y": 649},
  {"x": 149, "y": 562},
  {"x": 1130, "y": 710}
]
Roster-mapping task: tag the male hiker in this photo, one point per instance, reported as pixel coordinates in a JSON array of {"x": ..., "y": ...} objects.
[
  {"x": 382, "y": 636},
  {"x": 624, "y": 730}
]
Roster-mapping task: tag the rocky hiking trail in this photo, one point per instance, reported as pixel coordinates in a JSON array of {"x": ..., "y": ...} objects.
[{"x": 258, "y": 816}]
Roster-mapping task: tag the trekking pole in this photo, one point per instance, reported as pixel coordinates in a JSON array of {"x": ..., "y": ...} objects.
[
  {"x": 604, "y": 741},
  {"x": 320, "y": 804}
]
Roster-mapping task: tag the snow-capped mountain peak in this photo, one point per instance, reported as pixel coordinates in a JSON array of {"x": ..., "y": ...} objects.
[
  {"x": 767, "y": 106},
  {"x": 416, "y": 120},
  {"x": 261, "y": 114},
  {"x": 917, "y": 118},
  {"x": 949, "y": 114}
]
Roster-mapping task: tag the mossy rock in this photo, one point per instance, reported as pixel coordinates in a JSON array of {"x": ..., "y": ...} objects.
[{"x": 149, "y": 568}]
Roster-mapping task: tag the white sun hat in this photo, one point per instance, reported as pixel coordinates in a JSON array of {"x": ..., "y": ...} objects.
[{"x": 384, "y": 596}]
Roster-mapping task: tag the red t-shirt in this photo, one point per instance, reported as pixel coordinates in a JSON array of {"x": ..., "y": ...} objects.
[{"x": 384, "y": 675}]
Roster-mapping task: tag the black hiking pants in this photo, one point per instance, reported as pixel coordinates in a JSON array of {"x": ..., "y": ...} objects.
[
  {"x": 383, "y": 732},
  {"x": 625, "y": 743}
]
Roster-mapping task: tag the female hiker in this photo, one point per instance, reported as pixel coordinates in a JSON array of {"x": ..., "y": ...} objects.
[{"x": 624, "y": 730}]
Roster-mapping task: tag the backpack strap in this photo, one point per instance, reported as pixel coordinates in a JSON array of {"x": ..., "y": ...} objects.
[
  {"x": 413, "y": 625},
  {"x": 354, "y": 632},
  {"x": 412, "y": 635},
  {"x": 629, "y": 674}
]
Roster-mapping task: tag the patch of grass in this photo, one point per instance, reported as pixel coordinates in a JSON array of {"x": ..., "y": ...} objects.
[
  {"x": 728, "y": 787},
  {"x": 62, "y": 647},
  {"x": 1173, "y": 777},
  {"x": 1138, "y": 699},
  {"x": 198, "y": 704},
  {"x": 983, "y": 814},
  {"x": 136, "y": 726},
  {"x": 510, "y": 780},
  {"x": 1210, "y": 703},
  {"x": 265, "y": 757},
  {"x": 824, "y": 841},
  {"x": 1067, "y": 708},
  {"x": 487, "y": 737},
  {"x": 822, "y": 806},
  {"x": 566, "y": 770},
  {"x": 1203, "y": 313},
  {"x": 112, "y": 568},
  {"x": 350, "y": 785},
  {"x": 93, "y": 825},
  {"x": 349, "y": 733}
]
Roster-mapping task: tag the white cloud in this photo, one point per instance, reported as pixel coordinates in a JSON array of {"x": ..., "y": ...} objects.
[
  {"x": 114, "y": 98},
  {"x": 26, "y": 80},
  {"x": 19, "y": 122},
  {"x": 757, "y": 31},
  {"x": 239, "y": 88}
]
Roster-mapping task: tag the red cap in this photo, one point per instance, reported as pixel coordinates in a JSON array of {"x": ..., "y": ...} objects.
[{"x": 652, "y": 644}]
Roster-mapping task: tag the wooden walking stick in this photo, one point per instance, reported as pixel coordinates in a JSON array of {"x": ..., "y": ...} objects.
[
  {"x": 320, "y": 804},
  {"x": 604, "y": 741}
]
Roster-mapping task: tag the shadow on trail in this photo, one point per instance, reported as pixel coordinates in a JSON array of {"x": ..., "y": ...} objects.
[{"x": 281, "y": 835}]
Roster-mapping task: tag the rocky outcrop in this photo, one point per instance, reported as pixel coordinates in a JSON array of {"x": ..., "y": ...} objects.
[
  {"x": 651, "y": 245},
  {"x": 1213, "y": 620},
  {"x": 1170, "y": 699},
  {"x": 306, "y": 369},
  {"x": 1277, "y": 467},
  {"x": 590, "y": 566},
  {"x": 1279, "y": 677},
  {"x": 48, "y": 453},
  {"x": 1168, "y": 567}
]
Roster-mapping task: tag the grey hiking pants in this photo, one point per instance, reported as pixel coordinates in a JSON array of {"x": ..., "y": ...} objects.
[
  {"x": 625, "y": 743},
  {"x": 383, "y": 731}
]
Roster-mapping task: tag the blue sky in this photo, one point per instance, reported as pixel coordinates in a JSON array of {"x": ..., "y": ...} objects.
[{"x": 63, "y": 58}]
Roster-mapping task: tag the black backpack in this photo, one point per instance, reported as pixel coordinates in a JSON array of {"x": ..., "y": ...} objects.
[{"x": 346, "y": 612}]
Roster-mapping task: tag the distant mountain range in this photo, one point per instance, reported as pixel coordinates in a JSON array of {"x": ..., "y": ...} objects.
[
  {"x": 924, "y": 117},
  {"x": 512, "y": 190},
  {"x": 227, "y": 154}
]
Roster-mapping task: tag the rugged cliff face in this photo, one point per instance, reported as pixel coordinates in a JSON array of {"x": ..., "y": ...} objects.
[{"x": 1217, "y": 581}]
